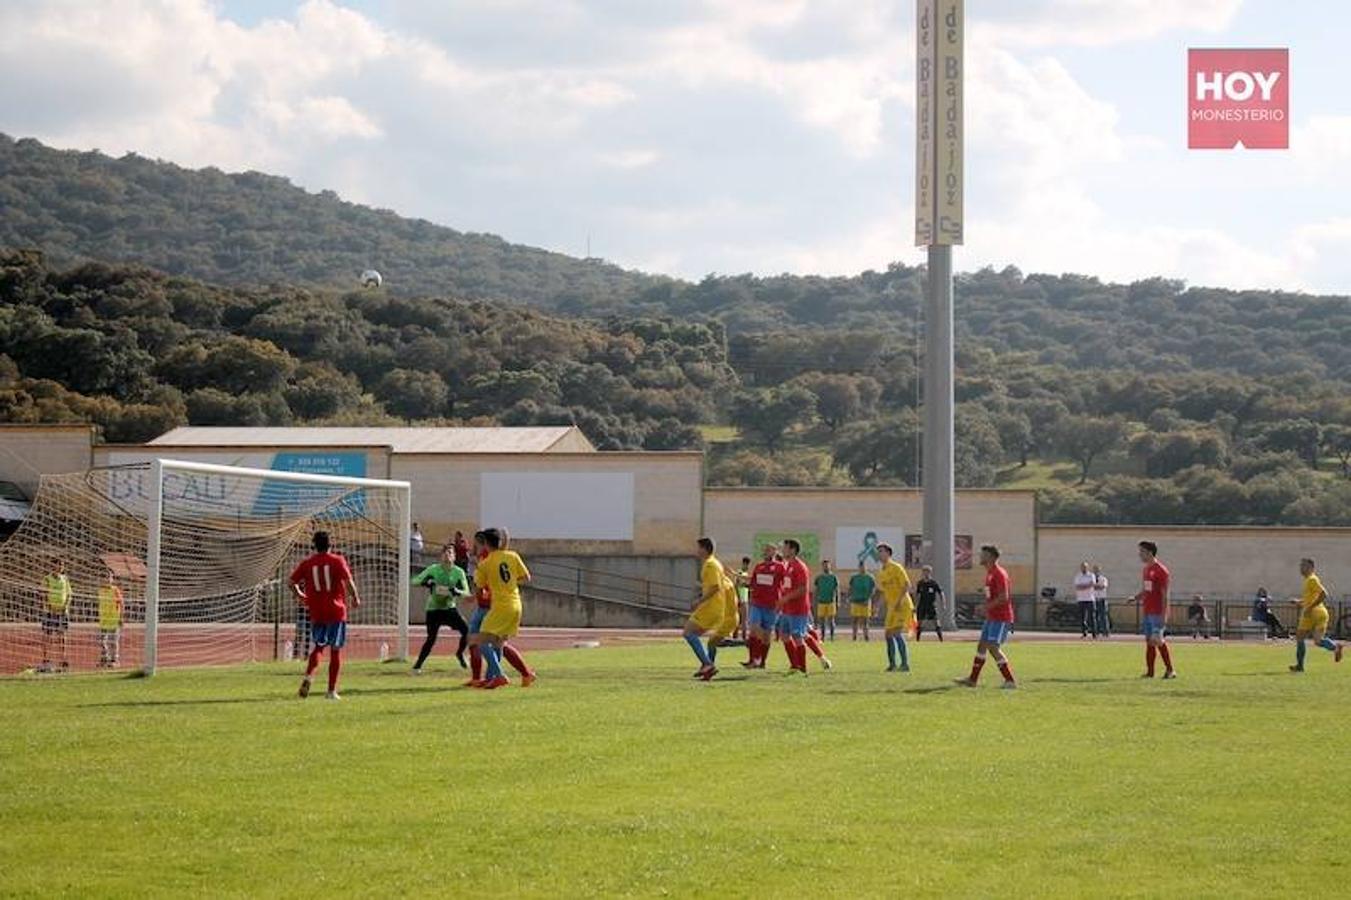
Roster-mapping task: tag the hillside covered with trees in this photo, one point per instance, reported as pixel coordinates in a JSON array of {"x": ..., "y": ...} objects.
[{"x": 1147, "y": 402}]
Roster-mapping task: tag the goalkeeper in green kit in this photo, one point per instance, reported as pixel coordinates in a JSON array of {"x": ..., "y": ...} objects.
[{"x": 447, "y": 584}]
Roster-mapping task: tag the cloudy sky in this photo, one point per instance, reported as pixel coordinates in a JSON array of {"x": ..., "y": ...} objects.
[{"x": 698, "y": 136}]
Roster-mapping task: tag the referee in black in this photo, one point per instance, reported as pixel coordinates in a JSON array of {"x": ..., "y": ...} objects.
[{"x": 927, "y": 592}]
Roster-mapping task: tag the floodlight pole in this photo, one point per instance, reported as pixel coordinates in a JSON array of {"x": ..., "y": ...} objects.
[
  {"x": 938, "y": 427},
  {"x": 939, "y": 75}
]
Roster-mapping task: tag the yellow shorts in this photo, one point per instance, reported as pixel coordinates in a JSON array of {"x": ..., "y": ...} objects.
[
  {"x": 898, "y": 618},
  {"x": 1315, "y": 619},
  {"x": 827, "y": 610},
  {"x": 860, "y": 611},
  {"x": 707, "y": 616},
  {"x": 502, "y": 621}
]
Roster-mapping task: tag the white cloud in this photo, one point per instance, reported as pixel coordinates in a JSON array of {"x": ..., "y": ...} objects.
[
  {"x": 1045, "y": 23},
  {"x": 692, "y": 135}
]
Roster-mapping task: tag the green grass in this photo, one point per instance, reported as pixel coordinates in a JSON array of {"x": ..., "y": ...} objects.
[{"x": 616, "y": 774}]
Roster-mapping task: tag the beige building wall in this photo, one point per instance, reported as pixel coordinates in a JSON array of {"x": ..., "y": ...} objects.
[
  {"x": 733, "y": 516},
  {"x": 27, "y": 452},
  {"x": 1220, "y": 562},
  {"x": 666, "y": 496}
]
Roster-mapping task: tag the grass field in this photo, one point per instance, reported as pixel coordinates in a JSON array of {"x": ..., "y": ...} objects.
[{"x": 616, "y": 774}]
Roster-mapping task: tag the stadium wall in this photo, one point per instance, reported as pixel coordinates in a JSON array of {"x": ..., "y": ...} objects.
[
  {"x": 356, "y": 461},
  {"x": 733, "y": 517},
  {"x": 27, "y": 452},
  {"x": 1220, "y": 562}
]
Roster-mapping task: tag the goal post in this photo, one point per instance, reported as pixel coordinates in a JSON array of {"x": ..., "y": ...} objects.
[
  {"x": 175, "y": 563},
  {"x": 401, "y": 521}
]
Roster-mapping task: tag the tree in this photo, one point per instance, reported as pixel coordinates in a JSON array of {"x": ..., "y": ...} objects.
[
  {"x": 673, "y": 434},
  {"x": 1084, "y": 438},
  {"x": 1299, "y": 435},
  {"x": 1140, "y": 501},
  {"x": 1165, "y": 453},
  {"x": 1337, "y": 441},
  {"x": 882, "y": 451},
  {"x": 840, "y": 398},
  {"x": 978, "y": 451},
  {"x": 1069, "y": 506},
  {"x": 767, "y": 415},
  {"x": 411, "y": 394},
  {"x": 1015, "y": 434}
]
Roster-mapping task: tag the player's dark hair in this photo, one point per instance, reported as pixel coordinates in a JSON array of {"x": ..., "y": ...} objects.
[
  {"x": 706, "y": 544},
  {"x": 789, "y": 542},
  {"x": 321, "y": 542},
  {"x": 745, "y": 560},
  {"x": 1152, "y": 547},
  {"x": 990, "y": 549},
  {"x": 493, "y": 538},
  {"x": 1309, "y": 561},
  {"x": 887, "y": 547}
]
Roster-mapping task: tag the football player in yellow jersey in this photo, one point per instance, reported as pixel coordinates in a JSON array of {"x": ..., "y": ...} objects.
[
  {"x": 710, "y": 610},
  {"x": 55, "y": 615},
  {"x": 893, "y": 583},
  {"x": 1313, "y": 617},
  {"x": 110, "y": 622},
  {"x": 502, "y": 572}
]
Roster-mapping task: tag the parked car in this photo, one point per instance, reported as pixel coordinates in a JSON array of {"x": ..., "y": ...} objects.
[{"x": 14, "y": 507}]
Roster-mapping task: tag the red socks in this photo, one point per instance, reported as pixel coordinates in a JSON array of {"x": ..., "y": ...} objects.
[
  {"x": 815, "y": 646},
  {"x": 1150, "y": 653},
  {"x": 1167, "y": 657},
  {"x": 753, "y": 647},
  {"x": 1006, "y": 671},
  {"x": 334, "y": 666},
  {"x": 799, "y": 655},
  {"x": 314, "y": 661},
  {"x": 513, "y": 656},
  {"x": 976, "y": 665},
  {"x": 476, "y": 662}
]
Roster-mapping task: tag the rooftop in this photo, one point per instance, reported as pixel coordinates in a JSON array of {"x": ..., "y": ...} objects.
[{"x": 548, "y": 439}]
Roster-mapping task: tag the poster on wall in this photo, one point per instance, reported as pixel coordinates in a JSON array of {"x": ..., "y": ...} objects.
[
  {"x": 260, "y": 498},
  {"x": 811, "y": 544},
  {"x": 963, "y": 551},
  {"x": 572, "y": 506},
  {"x": 856, "y": 544}
]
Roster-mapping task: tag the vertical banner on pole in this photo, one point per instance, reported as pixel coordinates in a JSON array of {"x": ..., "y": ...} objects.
[
  {"x": 949, "y": 63},
  {"x": 926, "y": 147}
]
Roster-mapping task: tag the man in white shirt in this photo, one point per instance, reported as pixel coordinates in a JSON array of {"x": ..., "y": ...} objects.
[
  {"x": 1083, "y": 594},
  {"x": 416, "y": 545},
  {"x": 1100, "y": 602}
]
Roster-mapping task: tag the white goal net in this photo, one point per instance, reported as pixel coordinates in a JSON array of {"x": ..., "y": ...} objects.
[{"x": 171, "y": 563}]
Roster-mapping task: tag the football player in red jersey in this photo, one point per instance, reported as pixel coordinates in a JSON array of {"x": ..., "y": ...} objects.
[
  {"x": 1155, "y": 589},
  {"x": 323, "y": 582},
  {"x": 998, "y": 620}
]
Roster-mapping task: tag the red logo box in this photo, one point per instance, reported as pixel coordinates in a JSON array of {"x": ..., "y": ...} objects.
[{"x": 1238, "y": 97}]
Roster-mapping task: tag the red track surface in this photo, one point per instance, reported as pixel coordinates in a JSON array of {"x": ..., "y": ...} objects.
[{"x": 208, "y": 645}]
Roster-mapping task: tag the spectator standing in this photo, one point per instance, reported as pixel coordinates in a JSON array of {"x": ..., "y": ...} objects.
[
  {"x": 1100, "y": 603},
  {"x": 1199, "y": 619},
  {"x": 416, "y": 544},
  {"x": 742, "y": 581},
  {"x": 1083, "y": 594}
]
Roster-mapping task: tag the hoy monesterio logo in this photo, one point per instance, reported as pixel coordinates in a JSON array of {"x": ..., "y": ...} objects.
[{"x": 1238, "y": 98}]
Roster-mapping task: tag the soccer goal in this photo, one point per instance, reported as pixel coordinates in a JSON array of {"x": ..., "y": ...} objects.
[{"x": 172, "y": 563}]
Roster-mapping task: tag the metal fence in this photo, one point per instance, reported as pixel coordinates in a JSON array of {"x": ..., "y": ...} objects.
[{"x": 1229, "y": 617}]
